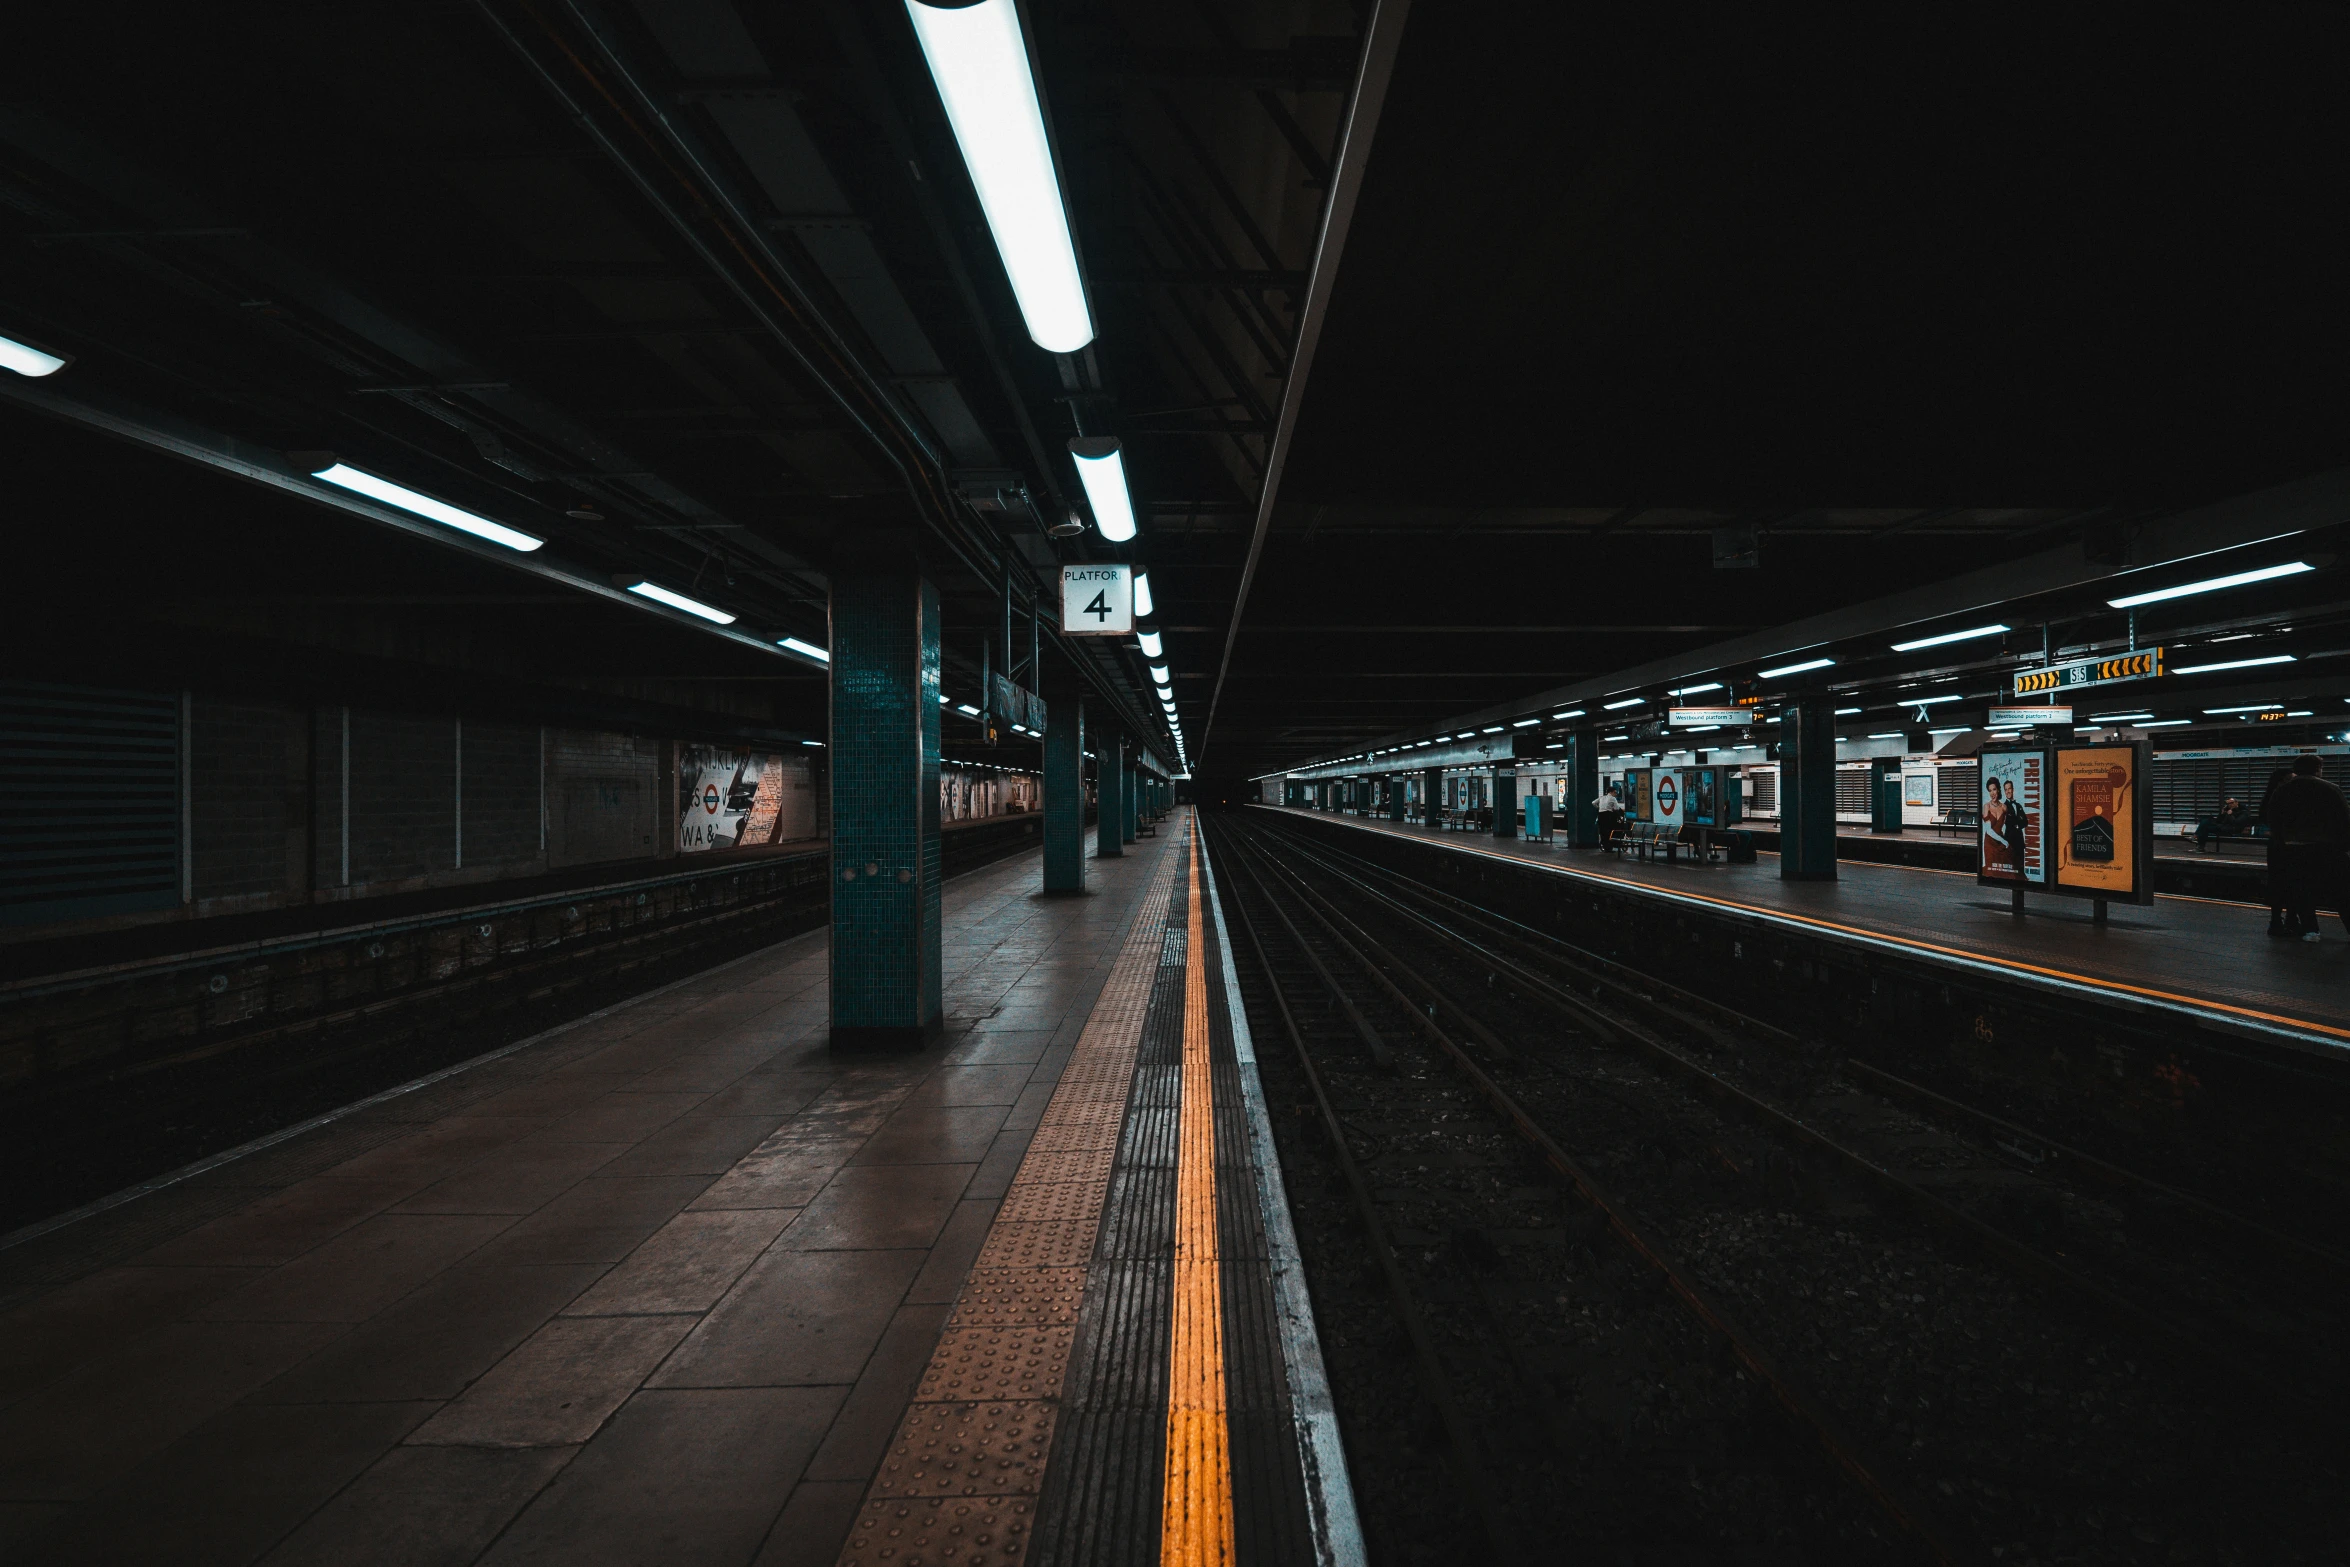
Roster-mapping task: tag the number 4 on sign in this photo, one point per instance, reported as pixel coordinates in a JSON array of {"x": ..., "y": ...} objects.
[{"x": 1099, "y": 609}]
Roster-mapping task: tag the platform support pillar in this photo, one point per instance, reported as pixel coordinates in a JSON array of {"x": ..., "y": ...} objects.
[
  {"x": 1130, "y": 795},
  {"x": 1505, "y": 802},
  {"x": 1582, "y": 789},
  {"x": 1064, "y": 793},
  {"x": 886, "y": 879},
  {"x": 1109, "y": 819},
  {"x": 1807, "y": 790},
  {"x": 1395, "y": 793},
  {"x": 1432, "y": 798}
]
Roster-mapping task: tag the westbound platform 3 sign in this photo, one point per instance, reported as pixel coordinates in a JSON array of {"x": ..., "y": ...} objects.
[
  {"x": 2144, "y": 664},
  {"x": 1097, "y": 601},
  {"x": 2001, "y": 717},
  {"x": 1718, "y": 716}
]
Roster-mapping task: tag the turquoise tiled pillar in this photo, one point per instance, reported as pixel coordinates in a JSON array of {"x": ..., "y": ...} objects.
[
  {"x": 1582, "y": 789},
  {"x": 1064, "y": 793},
  {"x": 1395, "y": 797},
  {"x": 1807, "y": 790},
  {"x": 1132, "y": 792},
  {"x": 1109, "y": 824},
  {"x": 884, "y": 766}
]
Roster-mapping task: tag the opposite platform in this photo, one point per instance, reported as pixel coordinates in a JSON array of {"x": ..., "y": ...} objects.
[
  {"x": 656, "y": 1287},
  {"x": 2206, "y": 958}
]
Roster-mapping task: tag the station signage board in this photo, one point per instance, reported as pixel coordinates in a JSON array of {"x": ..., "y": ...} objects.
[
  {"x": 1680, "y": 717},
  {"x": 1097, "y": 601},
  {"x": 2001, "y": 717},
  {"x": 2144, "y": 664}
]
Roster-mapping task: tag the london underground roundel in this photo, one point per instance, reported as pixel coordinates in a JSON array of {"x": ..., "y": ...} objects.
[
  {"x": 710, "y": 798},
  {"x": 1667, "y": 796}
]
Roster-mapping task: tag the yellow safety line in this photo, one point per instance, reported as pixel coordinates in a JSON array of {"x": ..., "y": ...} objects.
[{"x": 1196, "y": 1517}]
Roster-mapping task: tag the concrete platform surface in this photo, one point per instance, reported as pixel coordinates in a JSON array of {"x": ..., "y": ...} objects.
[{"x": 656, "y": 1288}]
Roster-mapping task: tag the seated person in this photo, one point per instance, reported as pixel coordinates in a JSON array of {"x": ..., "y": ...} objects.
[{"x": 2233, "y": 821}]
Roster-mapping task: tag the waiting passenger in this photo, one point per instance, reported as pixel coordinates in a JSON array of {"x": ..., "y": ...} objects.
[
  {"x": 1611, "y": 815},
  {"x": 2309, "y": 823}
]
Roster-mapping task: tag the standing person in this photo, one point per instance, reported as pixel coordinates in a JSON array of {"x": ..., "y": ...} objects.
[
  {"x": 1611, "y": 815},
  {"x": 2276, "y": 871},
  {"x": 2311, "y": 822}
]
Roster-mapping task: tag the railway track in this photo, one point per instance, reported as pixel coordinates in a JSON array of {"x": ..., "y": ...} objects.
[{"x": 1906, "y": 1301}]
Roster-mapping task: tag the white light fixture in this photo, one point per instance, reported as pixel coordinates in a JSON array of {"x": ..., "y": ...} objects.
[
  {"x": 2291, "y": 568},
  {"x": 25, "y": 359},
  {"x": 1846, "y": 712},
  {"x": 1159, "y": 673},
  {"x": 1524, "y": 723},
  {"x": 1491, "y": 729},
  {"x": 1572, "y": 712},
  {"x": 2249, "y": 707},
  {"x": 1151, "y": 646},
  {"x": 1630, "y": 701},
  {"x": 2301, "y": 712},
  {"x": 1962, "y": 729},
  {"x": 1698, "y": 729},
  {"x": 1102, "y": 470},
  {"x": 1142, "y": 595},
  {"x": 360, "y": 482},
  {"x": 661, "y": 595},
  {"x": 967, "y": 710},
  {"x": 1711, "y": 685},
  {"x": 980, "y": 63},
  {"x": 1612, "y": 739},
  {"x": 2167, "y": 723},
  {"x": 2233, "y": 663},
  {"x": 1794, "y": 669},
  {"x": 1896, "y": 735},
  {"x": 818, "y": 744},
  {"x": 811, "y": 650},
  {"x": 1927, "y": 701},
  {"x": 1950, "y": 636},
  {"x": 2112, "y": 717}
]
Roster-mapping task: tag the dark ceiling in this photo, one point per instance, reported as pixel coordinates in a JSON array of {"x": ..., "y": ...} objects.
[
  {"x": 1908, "y": 292},
  {"x": 1895, "y": 296}
]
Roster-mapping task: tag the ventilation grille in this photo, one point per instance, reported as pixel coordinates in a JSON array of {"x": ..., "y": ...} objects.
[{"x": 89, "y": 801}]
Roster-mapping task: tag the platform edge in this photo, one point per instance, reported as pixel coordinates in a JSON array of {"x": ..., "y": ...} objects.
[{"x": 1321, "y": 1452}]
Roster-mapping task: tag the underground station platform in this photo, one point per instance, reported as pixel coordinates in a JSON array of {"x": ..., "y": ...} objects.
[{"x": 678, "y": 1283}]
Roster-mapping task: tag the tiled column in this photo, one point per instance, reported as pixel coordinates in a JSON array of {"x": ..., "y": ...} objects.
[
  {"x": 1109, "y": 825},
  {"x": 1395, "y": 797},
  {"x": 1807, "y": 790},
  {"x": 1582, "y": 789},
  {"x": 1432, "y": 797},
  {"x": 884, "y": 785},
  {"x": 1064, "y": 792},
  {"x": 1506, "y": 809},
  {"x": 1132, "y": 790}
]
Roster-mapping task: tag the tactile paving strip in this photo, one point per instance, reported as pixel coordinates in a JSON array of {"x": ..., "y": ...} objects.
[
  {"x": 973, "y": 1531},
  {"x": 1040, "y": 1202},
  {"x": 964, "y": 1471},
  {"x": 997, "y": 1363}
]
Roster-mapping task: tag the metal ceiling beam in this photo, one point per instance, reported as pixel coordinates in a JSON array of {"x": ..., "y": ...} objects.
[{"x": 1382, "y": 38}]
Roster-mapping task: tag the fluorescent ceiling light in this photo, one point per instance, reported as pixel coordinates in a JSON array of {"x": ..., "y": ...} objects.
[
  {"x": 1159, "y": 673},
  {"x": 1491, "y": 729},
  {"x": 2249, "y": 707},
  {"x": 1711, "y": 685},
  {"x": 1612, "y": 739},
  {"x": 25, "y": 359},
  {"x": 1960, "y": 730},
  {"x": 661, "y": 595},
  {"x": 1572, "y": 712},
  {"x": 2301, "y": 712},
  {"x": 1896, "y": 735},
  {"x": 967, "y": 710},
  {"x": 2291, "y": 568},
  {"x": 1151, "y": 646},
  {"x": 811, "y": 650},
  {"x": 360, "y": 482},
  {"x": 1795, "y": 669},
  {"x": 1927, "y": 701},
  {"x": 1950, "y": 636},
  {"x": 1630, "y": 701},
  {"x": 1102, "y": 471},
  {"x": 1466, "y": 734},
  {"x": 2107, "y": 717},
  {"x": 1846, "y": 712},
  {"x": 1142, "y": 594},
  {"x": 2233, "y": 663},
  {"x": 1524, "y": 722},
  {"x": 980, "y": 63},
  {"x": 1698, "y": 729},
  {"x": 2167, "y": 723}
]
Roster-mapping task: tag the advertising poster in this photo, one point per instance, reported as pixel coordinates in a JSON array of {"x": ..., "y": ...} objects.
[
  {"x": 2097, "y": 826},
  {"x": 2014, "y": 836},
  {"x": 1667, "y": 797},
  {"x": 1705, "y": 793},
  {"x": 1636, "y": 804},
  {"x": 733, "y": 798}
]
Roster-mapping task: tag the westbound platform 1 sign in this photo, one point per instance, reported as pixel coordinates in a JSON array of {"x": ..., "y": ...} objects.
[
  {"x": 1097, "y": 601},
  {"x": 1719, "y": 717},
  {"x": 2001, "y": 717},
  {"x": 2144, "y": 664}
]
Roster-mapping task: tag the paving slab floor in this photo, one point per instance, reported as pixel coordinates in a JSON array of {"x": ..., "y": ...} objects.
[{"x": 656, "y": 1288}]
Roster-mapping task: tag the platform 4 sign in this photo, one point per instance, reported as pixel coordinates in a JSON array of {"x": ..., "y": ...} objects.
[
  {"x": 1097, "y": 601},
  {"x": 2145, "y": 664}
]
